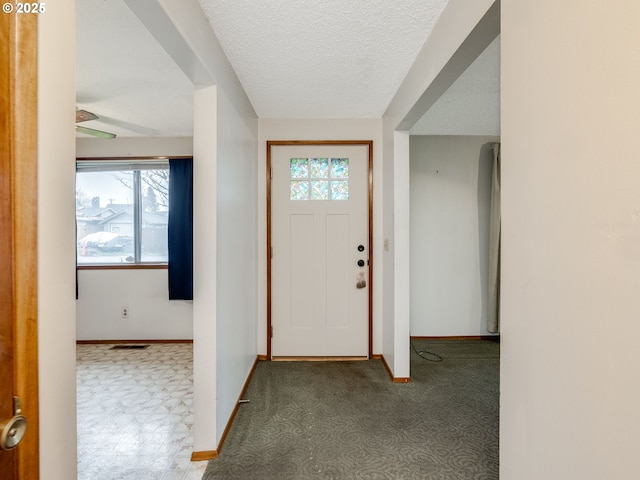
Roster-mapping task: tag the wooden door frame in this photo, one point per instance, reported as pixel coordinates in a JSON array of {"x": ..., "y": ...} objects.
[
  {"x": 19, "y": 157},
  {"x": 365, "y": 143}
]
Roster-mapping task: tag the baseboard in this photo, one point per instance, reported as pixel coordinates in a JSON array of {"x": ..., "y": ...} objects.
[
  {"x": 318, "y": 359},
  {"x": 109, "y": 342},
  {"x": 204, "y": 455},
  {"x": 393, "y": 379},
  {"x": 235, "y": 410},
  {"x": 493, "y": 338},
  {"x": 263, "y": 358}
]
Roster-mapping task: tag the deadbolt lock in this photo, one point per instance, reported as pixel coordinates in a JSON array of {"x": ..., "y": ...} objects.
[{"x": 12, "y": 431}]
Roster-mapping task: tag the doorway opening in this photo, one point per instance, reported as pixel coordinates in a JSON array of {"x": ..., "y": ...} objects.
[{"x": 319, "y": 262}]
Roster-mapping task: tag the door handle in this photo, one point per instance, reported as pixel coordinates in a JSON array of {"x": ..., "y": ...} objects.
[{"x": 12, "y": 430}]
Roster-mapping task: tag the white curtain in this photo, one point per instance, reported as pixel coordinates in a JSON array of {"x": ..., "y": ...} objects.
[{"x": 493, "y": 313}]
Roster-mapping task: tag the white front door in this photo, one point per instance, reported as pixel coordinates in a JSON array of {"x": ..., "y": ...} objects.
[{"x": 320, "y": 241}]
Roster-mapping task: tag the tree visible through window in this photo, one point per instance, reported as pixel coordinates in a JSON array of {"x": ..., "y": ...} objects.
[{"x": 122, "y": 211}]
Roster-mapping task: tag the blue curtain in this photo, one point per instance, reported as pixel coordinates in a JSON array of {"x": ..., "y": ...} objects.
[{"x": 180, "y": 229}]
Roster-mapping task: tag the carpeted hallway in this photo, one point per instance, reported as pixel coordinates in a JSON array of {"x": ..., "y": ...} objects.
[{"x": 347, "y": 420}]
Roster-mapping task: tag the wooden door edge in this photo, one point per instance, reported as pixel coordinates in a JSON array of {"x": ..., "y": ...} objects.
[{"x": 21, "y": 132}]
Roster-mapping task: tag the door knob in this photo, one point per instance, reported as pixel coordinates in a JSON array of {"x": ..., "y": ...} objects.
[
  {"x": 12, "y": 431},
  {"x": 361, "y": 263},
  {"x": 361, "y": 248}
]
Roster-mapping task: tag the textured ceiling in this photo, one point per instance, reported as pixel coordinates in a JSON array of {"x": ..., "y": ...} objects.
[
  {"x": 471, "y": 105},
  {"x": 125, "y": 77},
  {"x": 321, "y": 59},
  {"x": 295, "y": 59}
]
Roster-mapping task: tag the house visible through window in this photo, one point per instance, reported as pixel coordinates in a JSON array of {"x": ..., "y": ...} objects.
[{"x": 122, "y": 211}]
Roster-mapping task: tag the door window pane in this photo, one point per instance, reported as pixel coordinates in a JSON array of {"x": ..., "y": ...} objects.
[
  {"x": 319, "y": 179},
  {"x": 299, "y": 167},
  {"x": 299, "y": 190},
  {"x": 340, "y": 190},
  {"x": 339, "y": 168},
  {"x": 319, "y": 168},
  {"x": 319, "y": 190}
]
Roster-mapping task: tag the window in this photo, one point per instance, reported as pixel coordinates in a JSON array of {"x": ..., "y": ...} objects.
[
  {"x": 122, "y": 211},
  {"x": 319, "y": 178}
]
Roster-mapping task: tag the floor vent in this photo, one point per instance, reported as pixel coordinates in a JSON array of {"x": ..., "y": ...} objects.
[{"x": 129, "y": 347}]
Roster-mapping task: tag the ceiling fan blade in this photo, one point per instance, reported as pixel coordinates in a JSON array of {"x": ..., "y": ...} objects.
[
  {"x": 84, "y": 116},
  {"x": 95, "y": 133}
]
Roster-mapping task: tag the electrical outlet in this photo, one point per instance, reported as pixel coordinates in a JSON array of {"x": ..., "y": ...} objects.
[{"x": 124, "y": 312}]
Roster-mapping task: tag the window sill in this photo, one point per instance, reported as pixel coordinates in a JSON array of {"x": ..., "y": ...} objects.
[{"x": 125, "y": 266}]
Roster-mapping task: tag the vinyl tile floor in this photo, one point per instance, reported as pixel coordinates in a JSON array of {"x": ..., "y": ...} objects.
[{"x": 135, "y": 414}]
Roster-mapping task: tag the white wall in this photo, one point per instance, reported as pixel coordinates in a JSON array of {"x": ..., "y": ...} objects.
[
  {"x": 571, "y": 240},
  {"x": 56, "y": 228},
  {"x": 391, "y": 327},
  {"x": 237, "y": 254},
  {"x": 132, "y": 146},
  {"x": 102, "y": 293},
  {"x": 401, "y": 250},
  {"x": 205, "y": 271},
  {"x": 320, "y": 129},
  {"x": 450, "y": 195}
]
